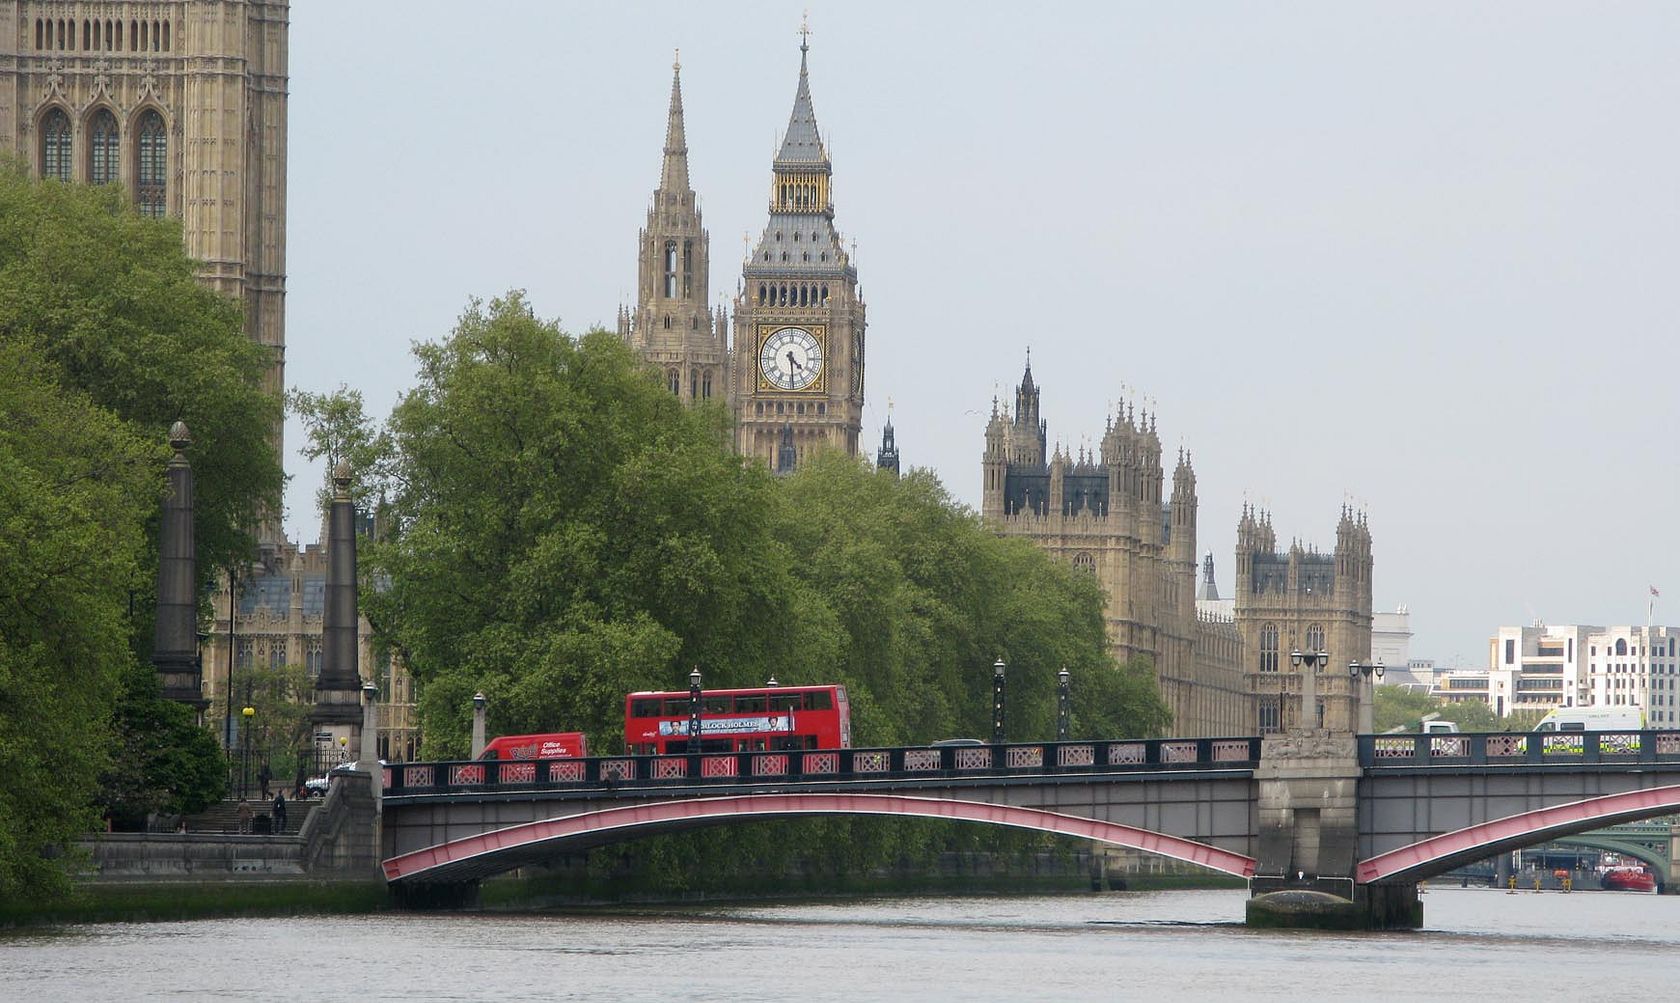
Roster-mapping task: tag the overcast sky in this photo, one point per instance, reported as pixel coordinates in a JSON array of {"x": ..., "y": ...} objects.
[{"x": 1419, "y": 257}]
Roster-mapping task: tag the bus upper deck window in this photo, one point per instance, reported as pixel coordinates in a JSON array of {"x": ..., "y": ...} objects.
[
  {"x": 716, "y": 705},
  {"x": 750, "y": 703},
  {"x": 676, "y": 706},
  {"x": 786, "y": 701},
  {"x": 818, "y": 700},
  {"x": 644, "y": 708}
]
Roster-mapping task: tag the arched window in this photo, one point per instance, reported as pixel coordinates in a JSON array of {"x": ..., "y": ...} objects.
[
  {"x": 133, "y": 36},
  {"x": 102, "y": 147},
  {"x": 673, "y": 382},
  {"x": 1315, "y": 638},
  {"x": 761, "y": 294},
  {"x": 166, "y": 42},
  {"x": 1085, "y": 562},
  {"x": 1621, "y": 646},
  {"x": 688, "y": 268},
  {"x": 706, "y": 386},
  {"x": 1269, "y": 648},
  {"x": 693, "y": 384},
  {"x": 55, "y": 145},
  {"x": 671, "y": 269},
  {"x": 151, "y": 163}
]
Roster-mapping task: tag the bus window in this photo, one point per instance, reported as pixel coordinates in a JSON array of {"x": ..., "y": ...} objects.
[
  {"x": 716, "y": 705},
  {"x": 644, "y": 708},
  {"x": 676, "y": 706},
  {"x": 1572, "y": 726},
  {"x": 750, "y": 745},
  {"x": 786, "y": 701},
  {"x": 818, "y": 700},
  {"x": 750, "y": 703}
]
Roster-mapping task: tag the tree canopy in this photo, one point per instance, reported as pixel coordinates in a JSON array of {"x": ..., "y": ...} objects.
[
  {"x": 106, "y": 339},
  {"x": 111, "y": 302},
  {"x": 563, "y": 531}
]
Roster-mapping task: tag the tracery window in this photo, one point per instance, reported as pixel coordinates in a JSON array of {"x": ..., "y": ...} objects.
[
  {"x": 1085, "y": 562},
  {"x": 55, "y": 145},
  {"x": 151, "y": 160},
  {"x": 1269, "y": 648},
  {"x": 1315, "y": 638},
  {"x": 102, "y": 147},
  {"x": 671, "y": 269}
]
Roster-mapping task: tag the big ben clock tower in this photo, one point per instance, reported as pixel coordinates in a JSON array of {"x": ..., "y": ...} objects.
[{"x": 799, "y": 320}]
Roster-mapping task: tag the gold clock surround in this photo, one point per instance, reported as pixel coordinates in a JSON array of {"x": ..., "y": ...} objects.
[{"x": 818, "y": 332}]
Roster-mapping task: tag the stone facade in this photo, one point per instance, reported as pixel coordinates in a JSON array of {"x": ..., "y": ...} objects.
[
  {"x": 183, "y": 104},
  {"x": 1302, "y": 600},
  {"x": 279, "y": 621},
  {"x": 792, "y": 375},
  {"x": 670, "y": 326},
  {"x": 1103, "y": 512}
]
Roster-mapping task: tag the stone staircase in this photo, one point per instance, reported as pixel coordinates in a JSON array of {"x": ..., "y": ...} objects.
[{"x": 223, "y": 816}]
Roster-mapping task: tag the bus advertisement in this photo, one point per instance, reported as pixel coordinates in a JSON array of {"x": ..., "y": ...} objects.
[{"x": 763, "y": 719}]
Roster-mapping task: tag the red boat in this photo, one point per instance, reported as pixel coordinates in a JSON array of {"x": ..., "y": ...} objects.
[{"x": 1627, "y": 879}]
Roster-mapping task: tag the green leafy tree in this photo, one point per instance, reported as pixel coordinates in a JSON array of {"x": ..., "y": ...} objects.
[
  {"x": 76, "y": 486},
  {"x": 1397, "y": 707},
  {"x": 111, "y": 301},
  {"x": 563, "y": 530},
  {"x": 163, "y": 762},
  {"x": 337, "y": 428}
]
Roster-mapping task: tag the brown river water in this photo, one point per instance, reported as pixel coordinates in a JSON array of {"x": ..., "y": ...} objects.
[{"x": 1181, "y": 945}]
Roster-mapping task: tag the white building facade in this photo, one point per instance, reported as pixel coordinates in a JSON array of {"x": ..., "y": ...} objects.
[{"x": 1542, "y": 667}]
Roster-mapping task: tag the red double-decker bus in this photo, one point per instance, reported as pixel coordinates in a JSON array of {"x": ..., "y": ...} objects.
[{"x": 766, "y": 719}]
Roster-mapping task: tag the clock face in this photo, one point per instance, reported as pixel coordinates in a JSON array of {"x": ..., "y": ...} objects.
[{"x": 791, "y": 358}]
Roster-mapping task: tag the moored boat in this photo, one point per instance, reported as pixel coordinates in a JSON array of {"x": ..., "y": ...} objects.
[{"x": 1627, "y": 879}]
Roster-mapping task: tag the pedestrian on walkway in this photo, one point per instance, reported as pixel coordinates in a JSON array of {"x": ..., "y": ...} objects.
[
  {"x": 244, "y": 817},
  {"x": 263, "y": 778},
  {"x": 279, "y": 813}
]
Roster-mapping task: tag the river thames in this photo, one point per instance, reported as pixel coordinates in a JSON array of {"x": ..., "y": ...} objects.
[{"x": 1148, "y": 945}]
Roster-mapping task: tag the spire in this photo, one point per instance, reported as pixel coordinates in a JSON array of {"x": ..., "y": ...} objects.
[
  {"x": 887, "y": 458},
  {"x": 674, "y": 177},
  {"x": 803, "y": 143}
]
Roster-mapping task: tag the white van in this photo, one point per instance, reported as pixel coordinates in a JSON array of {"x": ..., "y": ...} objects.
[
  {"x": 1593, "y": 719},
  {"x": 1440, "y": 728}
]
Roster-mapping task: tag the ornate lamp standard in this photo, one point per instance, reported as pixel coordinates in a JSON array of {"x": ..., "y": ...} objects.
[
  {"x": 1362, "y": 673},
  {"x": 245, "y": 751},
  {"x": 694, "y": 721},
  {"x": 997, "y": 702},
  {"x": 1311, "y": 662},
  {"x": 1062, "y": 702}
]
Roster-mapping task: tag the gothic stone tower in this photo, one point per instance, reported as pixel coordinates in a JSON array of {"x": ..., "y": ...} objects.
[
  {"x": 670, "y": 326},
  {"x": 1104, "y": 514},
  {"x": 1307, "y": 601},
  {"x": 183, "y": 104},
  {"x": 799, "y": 318}
]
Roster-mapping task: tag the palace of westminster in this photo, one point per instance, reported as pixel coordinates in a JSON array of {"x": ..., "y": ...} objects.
[{"x": 184, "y": 104}]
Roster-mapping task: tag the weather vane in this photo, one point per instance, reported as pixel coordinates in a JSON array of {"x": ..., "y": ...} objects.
[
  {"x": 676, "y": 58},
  {"x": 804, "y": 29}
]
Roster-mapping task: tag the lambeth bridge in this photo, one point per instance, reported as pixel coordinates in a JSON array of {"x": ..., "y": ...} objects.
[{"x": 1359, "y": 818}]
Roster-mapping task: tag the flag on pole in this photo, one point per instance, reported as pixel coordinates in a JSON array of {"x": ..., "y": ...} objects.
[{"x": 1654, "y": 593}]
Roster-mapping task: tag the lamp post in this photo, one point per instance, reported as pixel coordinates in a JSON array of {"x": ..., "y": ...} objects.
[
  {"x": 478, "y": 732},
  {"x": 997, "y": 702},
  {"x": 1362, "y": 673},
  {"x": 1062, "y": 709},
  {"x": 1312, "y": 661},
  {"x": 694, "y": 717},
  {"x": 245, "y": 752}
]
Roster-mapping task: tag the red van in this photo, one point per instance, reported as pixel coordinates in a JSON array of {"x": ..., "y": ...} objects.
[{"x": 554, "y": 745}]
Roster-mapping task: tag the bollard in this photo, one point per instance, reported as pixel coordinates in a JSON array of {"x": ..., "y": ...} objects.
[{"x": 1512, "y": 886}]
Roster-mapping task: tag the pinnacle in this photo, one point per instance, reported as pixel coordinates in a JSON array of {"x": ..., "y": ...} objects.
[{"x": 674, "y": 176}]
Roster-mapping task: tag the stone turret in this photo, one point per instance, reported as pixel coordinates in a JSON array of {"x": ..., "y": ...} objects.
[
  {"x": 887, "y": 458},
  {"x": 175, "y": 633}
]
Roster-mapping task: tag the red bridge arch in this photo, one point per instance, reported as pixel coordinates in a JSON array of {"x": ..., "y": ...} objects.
[
  {"x": 1442, "y": 853},
  {"x": 503, "y": 849}
]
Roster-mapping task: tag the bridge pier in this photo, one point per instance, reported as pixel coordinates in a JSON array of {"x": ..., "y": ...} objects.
[
  {"x": 438, "y": 895},
  {"x": 1307, "y": 786}
]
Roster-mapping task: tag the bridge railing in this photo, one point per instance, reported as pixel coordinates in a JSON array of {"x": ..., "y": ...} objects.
[
  {"x": 912, "y": 762},
  {"x": 1571, "y": 748}
]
